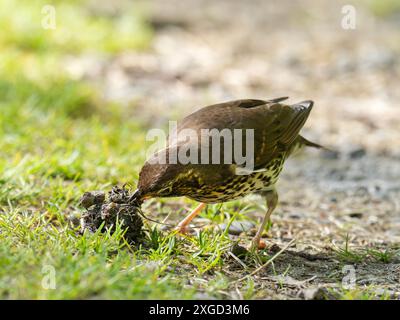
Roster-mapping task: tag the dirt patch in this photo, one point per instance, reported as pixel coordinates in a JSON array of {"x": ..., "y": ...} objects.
[
  {"x": 325, "y": 275},
  {"x": 107, "y": 213}
]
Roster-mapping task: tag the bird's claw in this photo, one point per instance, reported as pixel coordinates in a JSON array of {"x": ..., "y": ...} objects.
[
  {"x": 182, "y": 229},
  {"x": 257, "y": 244}
]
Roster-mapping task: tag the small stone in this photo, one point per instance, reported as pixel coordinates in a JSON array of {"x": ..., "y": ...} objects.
[
  {"x": 317, "y": 293},
  {"x": 330, "y": 154},
  {"x": 357, "y": 215},
  {"x": 237, "y": 227},
  {"x": 309, "y": 293},
  {"x": 203, "y": 296},
  {"x": 334, "y": 199},
  {"x": 357, "y": 153}
]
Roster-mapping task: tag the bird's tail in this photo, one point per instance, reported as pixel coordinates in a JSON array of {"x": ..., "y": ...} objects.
[{"x": 303, "y": 141}]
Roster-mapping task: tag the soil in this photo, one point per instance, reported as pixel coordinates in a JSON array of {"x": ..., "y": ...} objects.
[{"x": 104, "y": 214}]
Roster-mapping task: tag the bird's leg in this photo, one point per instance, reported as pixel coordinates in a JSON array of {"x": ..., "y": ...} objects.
[
  {"x": 182, "y": 226},
  {"x": 272, "y": 201}
]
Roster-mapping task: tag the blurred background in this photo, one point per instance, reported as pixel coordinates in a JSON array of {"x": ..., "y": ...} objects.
[{"x": 77, "y": 97}]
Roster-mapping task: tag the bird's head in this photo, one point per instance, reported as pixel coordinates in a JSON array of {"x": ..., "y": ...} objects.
[{"x": 160, "y": 178}]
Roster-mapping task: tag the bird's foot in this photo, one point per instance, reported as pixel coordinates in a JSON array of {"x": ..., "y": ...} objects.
[
  {"x": 257, "y": 244},
  {"x": 182, "y": 229}
]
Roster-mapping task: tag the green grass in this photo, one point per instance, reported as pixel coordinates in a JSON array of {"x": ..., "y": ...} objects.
[
  {"x": 81, "y": 26},
  {"x": 384, "y": 8},
  {"x": 357, "y": 293},
  {"x": 347, "y": 254},
  {"x": 350, "y": 255}
]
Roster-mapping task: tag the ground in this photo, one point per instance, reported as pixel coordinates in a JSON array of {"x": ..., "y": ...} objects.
[{"x": 78, "y": 101}]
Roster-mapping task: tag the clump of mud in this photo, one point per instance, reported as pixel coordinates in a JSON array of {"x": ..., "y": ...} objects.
[{"x": 116, "y": 207}]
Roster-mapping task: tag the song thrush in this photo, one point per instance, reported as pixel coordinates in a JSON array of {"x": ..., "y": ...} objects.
[{"x": 275, "y": 128}]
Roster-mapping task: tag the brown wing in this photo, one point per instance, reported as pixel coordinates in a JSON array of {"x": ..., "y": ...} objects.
[
  {"x": 279, "y": 135},
  {"x": 275, "y": 125}
]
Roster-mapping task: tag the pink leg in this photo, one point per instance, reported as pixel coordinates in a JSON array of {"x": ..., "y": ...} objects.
[
  {"x": 272, "y": 201},
  {"x": 182, "y": 226}
]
